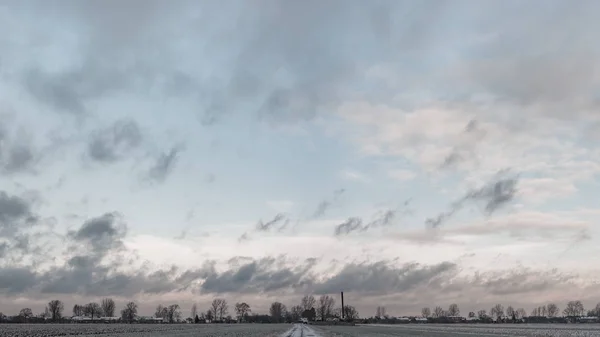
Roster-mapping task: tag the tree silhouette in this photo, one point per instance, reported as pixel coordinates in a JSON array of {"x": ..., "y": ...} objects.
[
  {"x": 129, "y": 313},
  {"x": 108, "y": 307},
  {"x": 55, "y": 309}
]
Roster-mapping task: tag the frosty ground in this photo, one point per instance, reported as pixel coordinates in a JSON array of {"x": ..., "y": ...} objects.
[{"x": 297, "y": 330}]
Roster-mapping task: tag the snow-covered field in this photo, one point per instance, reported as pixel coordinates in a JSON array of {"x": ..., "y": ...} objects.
[
  {"x": 143, "y": 330},
  {"x": 298, "y": 330},
  {"x": 459, "y": 330}
]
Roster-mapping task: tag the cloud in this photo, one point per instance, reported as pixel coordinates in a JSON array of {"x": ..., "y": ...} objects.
[
  {"x": 527, "y": 225},
  {"x": 17, "y": 153},
  {"x": 353, "y": 175},
  {"x": 281, "y": 205},
  {"x": 348, "y": 226},
  {"x": 114, "y": 142},
  {"x": 15, "y": 215},
  {"x": 402, "y": 175},
  {"x": 326, "y": 204},
  {"x": 494, "y": 195},
  {"x": 448, "y": 93},
  {"x": 373, "y": 278},
  {"x": 380, "y": 219},
  {"x": 103, "y": 233},
  {"x": 164, "y": 165},
  {"x": 266, "y": 226}
]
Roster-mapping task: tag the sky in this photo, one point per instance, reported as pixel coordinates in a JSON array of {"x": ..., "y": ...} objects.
[{"x": 409, "y": 153}]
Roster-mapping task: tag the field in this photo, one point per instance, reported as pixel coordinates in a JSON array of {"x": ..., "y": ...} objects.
[
  {"x": 460, "y": 330},
  {"x": 288, "y": 330}
]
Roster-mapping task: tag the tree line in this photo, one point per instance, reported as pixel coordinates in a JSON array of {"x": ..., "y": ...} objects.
[
  {"x": 55, "y": 311},
  {"x": 309, "y": 307},
  {"x": 572, "y": 309}
]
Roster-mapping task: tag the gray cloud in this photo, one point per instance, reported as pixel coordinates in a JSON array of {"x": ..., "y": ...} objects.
[
  {"x": 280, "y": 218},
  {"x": 291, "y": 73},
  {"x": 326, "y": 204},
  {"x": 372, "y": 278},
  {"x": 114, "y": 142},
  {"x": 260, "y": 276},
  {"x": 494, "y": 195},
  {"x": 15, "y": 215},
  {"x": 103, "y": 234},
  {"x": 465, "y": 149},
  {"x": 17, "y": 154},
  {"x": 86, "y": 274},
  {"x": 348, "y": 226},
  {"x": 381, "y": 219},
  {"x": 164, "y": 164}
]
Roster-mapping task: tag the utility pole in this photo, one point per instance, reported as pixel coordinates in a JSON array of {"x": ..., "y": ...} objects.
[{"x": 343, "y": 309}]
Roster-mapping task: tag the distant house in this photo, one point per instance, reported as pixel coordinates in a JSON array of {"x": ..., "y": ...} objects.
[
  {"x": 456, "y": 319},
  {"x": 109, "y": 319},
  {"x": 149, "y": 319},
  {"x": 420, "y": 319},
  {"x": 588, "y": 319}
]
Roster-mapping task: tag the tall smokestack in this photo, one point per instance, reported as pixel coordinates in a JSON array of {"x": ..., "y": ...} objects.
[{"x": 342, "y": 305}]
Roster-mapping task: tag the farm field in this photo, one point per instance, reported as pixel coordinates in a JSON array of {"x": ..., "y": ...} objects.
[
  {"x": 462, "y": 330},
  {"x": 144, "y": 330},
  {"x": 298, "y": 330}
]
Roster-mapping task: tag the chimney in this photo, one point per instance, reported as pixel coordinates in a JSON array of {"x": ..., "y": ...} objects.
[{"x": 342, "y": 305}]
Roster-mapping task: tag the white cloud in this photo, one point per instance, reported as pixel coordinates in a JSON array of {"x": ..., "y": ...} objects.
[
  {"x": 353, "y": 175},
  {"x": 476, "y": 140},
  {"x": 402, "y": 175},
  {"x": 541, "y": 189},
  {"x": 281, "y": 205}
]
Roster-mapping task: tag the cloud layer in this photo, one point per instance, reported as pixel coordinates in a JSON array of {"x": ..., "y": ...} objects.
[{"x": 409, "y": 154}]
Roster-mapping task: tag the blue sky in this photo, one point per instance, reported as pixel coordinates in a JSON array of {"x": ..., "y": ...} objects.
[{"x": 165, "y": 134}]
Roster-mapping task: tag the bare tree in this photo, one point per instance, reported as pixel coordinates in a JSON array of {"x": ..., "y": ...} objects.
[
  {"x": 223, "y": 309},
  {"x": 574, "y": 308},
  {"x": 194, "y": 311},
  {"x": 497, "y": 311},
  {"x": 210, "y": 315},
  {"x": 350, "y": 312},
  {"x": 108, "y": 307},
  {"x": 308, "y": 302},
  {"x": 380, "y": 312},
  {"x": 93, "y": 310},
  {"x": 543, "y": 310},
  {"x": 425, "y": 312},
  {"x": 173, "y": 313},
  {"x": 325, "y": 307},
  {"x": 597, "y": 310},
  {"x": 26, "y": 313},
  {"x": 55, "y": 309},
  {"x": 471, "y": 314},
  {"x": 552, "y": 310},
  {"x": 129, "y": 313},
  {"x": 510, "y": 311},
  {"x": 277, "y": 311},
  {"x": 482, "y": 313},
  {"x": 79, "y": 310},
  {"x": 214, "y": 307},
  {"x": 296, "y": 313},
  {"x": 161, "y": 312},
  {"x": 535, "y": 312},
  {"x": 438, "y": 312},
  {"x": 242, "y": 310},
  {"x": 520, "y": 313},
  {"x": 453, "y": 310}
]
